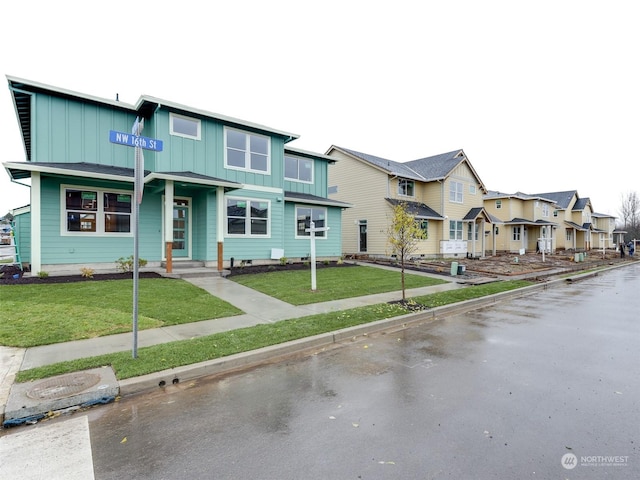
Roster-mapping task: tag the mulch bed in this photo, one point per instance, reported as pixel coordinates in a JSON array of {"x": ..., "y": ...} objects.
[
  {"x": 10, "y": 271},
  {"x": 247, "y": 269}
]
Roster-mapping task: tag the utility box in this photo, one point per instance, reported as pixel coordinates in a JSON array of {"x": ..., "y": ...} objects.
[
  {"x": 461, "y": 269},
  {"x": 454, "y": 268}
]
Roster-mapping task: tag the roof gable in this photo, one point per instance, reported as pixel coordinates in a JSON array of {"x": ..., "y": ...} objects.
[
  {"x": 390, "y": 166},
  {"x": 439, "y": 166},
  {"x": 427, "y": 169},
  {"x": 562, "y": 199}
]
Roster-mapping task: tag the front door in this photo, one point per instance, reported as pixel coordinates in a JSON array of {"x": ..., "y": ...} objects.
[
  {"x": 180, "y": 229},
  {"x": 363, "y": 236}
]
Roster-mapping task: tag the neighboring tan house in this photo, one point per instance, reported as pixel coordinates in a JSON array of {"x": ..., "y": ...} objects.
[
  {"x": 604, "y": 227},
  {"x": 574, "y": 215},
  {"x": 525, "y": 222},
  {"x": 219, "y": 189},
  {"x": 443, "y": 192}
]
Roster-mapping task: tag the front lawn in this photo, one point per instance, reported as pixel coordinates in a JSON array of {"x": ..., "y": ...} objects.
[
  {"x": 294, "y": 286},
  {"x": 187, "y": 352},
  {"x": 44, "y": 314}
]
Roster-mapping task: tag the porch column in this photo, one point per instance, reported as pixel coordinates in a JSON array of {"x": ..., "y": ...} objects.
[
  {"x": 220, "y": 226},
  {"x": 168, "y": 224},
  {"x": 36, "y": 229},
  {"x": 474, "y": 229},
  {"x": 483, "y": 242}
]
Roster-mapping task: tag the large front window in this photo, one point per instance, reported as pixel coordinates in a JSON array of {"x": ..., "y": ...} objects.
[
  {"x": 298, "y": 169},
  {"x": 96, "y": 212},
  {"x": 246, "y": 217},
  {"x": 306, "y": 215},
  {"x": 455, "y": 230},
  {"x": 247, "y": 151}
]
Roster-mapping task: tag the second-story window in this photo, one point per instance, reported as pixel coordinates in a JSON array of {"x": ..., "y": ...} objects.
[
  {"x": 456, "y": 192},
  {"x": 182, "y": 126},
  {"x": 406, "y": 187},
  {"x": 298, "y": 169},
  {"x": 247, "y": 151},
  {"x": 545, "y": 210}
]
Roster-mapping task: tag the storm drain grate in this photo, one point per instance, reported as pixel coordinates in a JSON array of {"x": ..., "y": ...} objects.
[{"x": 63, "y": 386}]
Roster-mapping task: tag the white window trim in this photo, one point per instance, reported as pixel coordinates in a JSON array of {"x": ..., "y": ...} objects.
[
  {"x": 545, "y": 210},
  {"x": 407, "y": 181},
  {"x": 247, "y": 159},
  {"x": 461, "y": 230},
  {"x": 295, "y": 226},
  {"x": 183, "y": 135},
  {"x": 247, "y": 233},
  {"x": 99, "y": 212},
  {"x": 310, "y": 182},
  {"x": 516, "y": 231},
  {"x": 459, "y": 191}
]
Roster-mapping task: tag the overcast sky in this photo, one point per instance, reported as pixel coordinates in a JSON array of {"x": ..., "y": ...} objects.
[{"x": 542, "y": 96}]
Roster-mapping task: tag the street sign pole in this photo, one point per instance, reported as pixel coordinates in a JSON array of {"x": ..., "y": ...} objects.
[
  {"x": 137, "y": 188},
  {"x": 138, "y": 142}
]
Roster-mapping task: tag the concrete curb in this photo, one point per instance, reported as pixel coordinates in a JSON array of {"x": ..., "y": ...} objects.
[
  {"x": 270, "y": 354},
  {"x": 254, "y": 358}
]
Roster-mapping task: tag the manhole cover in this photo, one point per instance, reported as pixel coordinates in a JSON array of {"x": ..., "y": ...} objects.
[{"x": 63, "y": 386}]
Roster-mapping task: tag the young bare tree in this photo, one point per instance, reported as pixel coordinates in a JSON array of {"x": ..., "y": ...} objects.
[
  {"x": 630, "y": 214},
  {"x": 404, "y": 234}
]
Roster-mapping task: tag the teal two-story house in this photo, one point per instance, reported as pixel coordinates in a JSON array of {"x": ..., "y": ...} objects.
[{"x": 219, "y": 190}]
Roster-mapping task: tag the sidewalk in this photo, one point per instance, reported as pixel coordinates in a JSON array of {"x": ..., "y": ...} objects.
[{"x": 257, "y": 307}]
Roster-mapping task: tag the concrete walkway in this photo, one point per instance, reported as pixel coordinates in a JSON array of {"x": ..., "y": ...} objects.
[{"x": 257, "y": 307}]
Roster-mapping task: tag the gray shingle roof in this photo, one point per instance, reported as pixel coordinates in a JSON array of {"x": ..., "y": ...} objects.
[
  {"x": 437, "y": 166},
  {"x": 314, "y": 199},
  {"x": 393, "y": 167},
  {"x": 562, "y": 199},
  {"x": 419, "y": 210}
]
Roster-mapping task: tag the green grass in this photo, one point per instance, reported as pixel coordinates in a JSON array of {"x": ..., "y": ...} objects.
[
  {"x": 294, "y": 287},
  {"x": 54, "y": 313},
  {"x": 469, "y": 293},
  {"x": 187, "y": 352}
]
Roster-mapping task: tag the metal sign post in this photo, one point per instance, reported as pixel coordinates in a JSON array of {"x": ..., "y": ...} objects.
[
  {"x": 139, "y": 143},
  {"x": 312, "y": 234},
  {"x": 138, "y": 189}
]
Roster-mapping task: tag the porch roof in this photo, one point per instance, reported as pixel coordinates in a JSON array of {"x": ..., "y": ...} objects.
[
  {"x": 22, "y": 170},
  {"x": 582, "y": 228},
  {"x": 524, "y": 221},
  {"x": 313, "y": 200},
  {"x": 418, "y": 210}
]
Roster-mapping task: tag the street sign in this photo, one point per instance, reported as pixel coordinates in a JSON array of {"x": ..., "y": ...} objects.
[
  {"x": 134, "y": 139},
  {"x": 129, "y": 140}
]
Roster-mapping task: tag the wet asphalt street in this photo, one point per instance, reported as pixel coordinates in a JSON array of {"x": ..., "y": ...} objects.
[{"x": 546, "y": 386}]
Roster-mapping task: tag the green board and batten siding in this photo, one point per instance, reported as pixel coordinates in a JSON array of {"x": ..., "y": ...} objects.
[
  {"x": 72, "y": 129},
  {"x": 68, "y": 131}
]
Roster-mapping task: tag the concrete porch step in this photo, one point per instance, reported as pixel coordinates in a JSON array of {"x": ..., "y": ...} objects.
[{"x": 192, "y": 269}]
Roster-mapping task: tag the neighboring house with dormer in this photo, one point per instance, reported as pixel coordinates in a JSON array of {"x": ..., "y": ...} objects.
[
  {"x": 574, "y": 215},
  {"x": 221, "y": 188},
  {"x": 525, "y": 222},
  {"x": 443, "y": 192}
]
